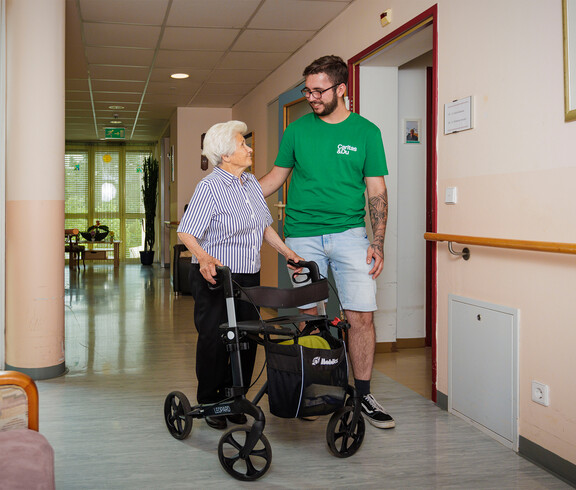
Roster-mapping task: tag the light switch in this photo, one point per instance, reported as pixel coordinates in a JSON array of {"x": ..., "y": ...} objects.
[{"x": 451, "y": 195}]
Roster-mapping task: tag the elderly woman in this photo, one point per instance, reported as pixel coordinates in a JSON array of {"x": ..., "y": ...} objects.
[{"x": 224, "y": 224}]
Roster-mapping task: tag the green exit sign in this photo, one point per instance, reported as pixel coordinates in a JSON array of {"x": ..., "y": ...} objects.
[{"x": 114, "y": 133}]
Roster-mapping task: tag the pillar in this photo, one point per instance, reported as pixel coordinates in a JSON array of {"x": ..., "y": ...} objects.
[{"x": 35, "y": 36}]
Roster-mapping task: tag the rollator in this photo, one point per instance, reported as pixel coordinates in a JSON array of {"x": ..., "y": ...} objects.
[{"x": 307, "y": 371}]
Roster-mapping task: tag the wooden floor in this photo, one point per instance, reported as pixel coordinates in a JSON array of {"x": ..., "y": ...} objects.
[{"x": 130, "y": 341}]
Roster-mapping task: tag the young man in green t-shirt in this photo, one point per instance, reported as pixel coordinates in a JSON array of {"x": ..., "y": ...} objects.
[{"x": 335, "y": 156}]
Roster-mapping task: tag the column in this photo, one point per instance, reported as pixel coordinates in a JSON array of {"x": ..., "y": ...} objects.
[{"x": 35, "y": 187}]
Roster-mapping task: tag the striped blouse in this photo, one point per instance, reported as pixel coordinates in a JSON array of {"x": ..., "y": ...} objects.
[{"x": 228, "y": 216}]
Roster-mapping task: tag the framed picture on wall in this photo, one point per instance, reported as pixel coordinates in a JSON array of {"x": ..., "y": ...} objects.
[
  {"x": 411, "y": 131},
  {"x": 250, "y": 141}
]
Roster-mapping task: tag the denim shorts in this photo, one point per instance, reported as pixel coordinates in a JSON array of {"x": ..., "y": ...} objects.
[{"x": 345, "y": 254}]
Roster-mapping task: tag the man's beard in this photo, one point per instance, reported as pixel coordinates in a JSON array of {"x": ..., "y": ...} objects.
[{"x": 329, "y": 107}]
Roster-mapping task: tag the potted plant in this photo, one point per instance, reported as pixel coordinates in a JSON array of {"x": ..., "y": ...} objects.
[{"x": 150, "y": 170}]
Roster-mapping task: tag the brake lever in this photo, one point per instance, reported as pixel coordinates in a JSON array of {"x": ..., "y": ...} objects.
[{"x": 296, "y": 276}]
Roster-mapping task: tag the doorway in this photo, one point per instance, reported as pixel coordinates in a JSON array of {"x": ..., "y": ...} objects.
[{"x": 397, "y": 76}]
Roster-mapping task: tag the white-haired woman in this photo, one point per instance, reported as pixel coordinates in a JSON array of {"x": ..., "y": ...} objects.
[{"x": 224, "y": 224}]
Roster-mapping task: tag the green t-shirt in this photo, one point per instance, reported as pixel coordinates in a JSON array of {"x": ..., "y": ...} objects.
[{"x": 329, "y": 161}]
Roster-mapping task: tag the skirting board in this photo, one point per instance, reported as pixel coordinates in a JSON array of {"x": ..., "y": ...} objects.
[
  {"x": 548, "y": 460},
  {"x": 384, "y": 347},
  {"x": 441, "y": 400}
]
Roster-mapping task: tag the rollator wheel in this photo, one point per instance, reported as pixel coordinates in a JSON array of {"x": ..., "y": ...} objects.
[
  {"x": 177, "y": 415},
  {"x": 254, "y": 465},
  {"x": 343, "y": 439}
]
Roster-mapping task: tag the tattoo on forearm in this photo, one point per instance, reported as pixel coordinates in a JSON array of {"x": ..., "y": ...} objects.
[{"x": 378, "y": 207}]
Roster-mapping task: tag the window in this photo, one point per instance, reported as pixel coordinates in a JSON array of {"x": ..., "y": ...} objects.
[{"x": 103, "y": 183}]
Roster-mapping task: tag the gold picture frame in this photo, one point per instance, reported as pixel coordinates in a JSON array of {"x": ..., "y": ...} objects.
[{"x": 569, "y": 36}]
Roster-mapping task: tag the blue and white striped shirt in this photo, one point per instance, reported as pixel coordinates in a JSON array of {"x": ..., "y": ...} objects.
[{"x": 228, "y": 218}]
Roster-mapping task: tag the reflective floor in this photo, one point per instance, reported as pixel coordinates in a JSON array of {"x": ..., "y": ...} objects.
[{"x": 130, "y": 341}]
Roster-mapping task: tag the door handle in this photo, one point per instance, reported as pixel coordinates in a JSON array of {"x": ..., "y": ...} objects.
[{"x": 280, "y": 205}]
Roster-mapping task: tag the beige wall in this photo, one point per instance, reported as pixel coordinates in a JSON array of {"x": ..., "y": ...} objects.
[
  {"x": 192, "y": 123},
  {"x": 514, "y": 173}
]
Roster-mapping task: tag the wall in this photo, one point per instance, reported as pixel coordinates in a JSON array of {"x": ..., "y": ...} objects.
[
  {"x": 192, "y": 123},
  {"x": 411, "y": 201},
  {"x": 514, "y": 174},
  {"x": 379, "y": 104}
]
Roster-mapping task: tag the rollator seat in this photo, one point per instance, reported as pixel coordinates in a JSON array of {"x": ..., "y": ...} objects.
[{"x": 286, "y": 298}]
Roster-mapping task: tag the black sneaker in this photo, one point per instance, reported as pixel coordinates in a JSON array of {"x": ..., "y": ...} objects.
[
  {"x": 375, "y": 413},
  {"x": 239, "y": 419},
  {"x": 216, "y": 422}
]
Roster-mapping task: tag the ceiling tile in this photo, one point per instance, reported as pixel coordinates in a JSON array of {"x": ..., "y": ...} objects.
[
  {"x": 226, "y": 88},
  {"x": 157, "y": 111},
  {"x": 238, "y": 76},
  {"x": 172, "y": 100},
  {"x": 115, "y": 97},
  {"x": 272, "y": 40},
  {"x": 175, "y": 87},
  {"x": 198, "y": 38},
  {"x": 296, "y": 14},
  {"x": 191, "y": 59},
  {"x": 227, "y": 47},
  {"x": 76, "y": 66},
  {"x": 129, "y": 11},
  {"x": 98, "y": 55},
  {"x": 117, "y": 86},
  {"x": 77, "y": 84},
  {"x": 77, "y": 95},
  {"x": 121, "y": 35},
  {"x": 215, "y": 13},
  {"x": 78, "y": 113},
  {"x": 258, "y": 61},
  {"x": 107, "y": 72},
  {"x": 79, "y": 105},
  {"x": 212, "y": 100}
]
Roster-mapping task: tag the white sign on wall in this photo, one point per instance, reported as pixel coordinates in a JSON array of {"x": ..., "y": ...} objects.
[{"x": 458, "y": 115}]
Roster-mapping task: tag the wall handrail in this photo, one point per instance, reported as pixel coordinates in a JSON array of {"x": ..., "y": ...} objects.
[{"x": 554, "y": 247}]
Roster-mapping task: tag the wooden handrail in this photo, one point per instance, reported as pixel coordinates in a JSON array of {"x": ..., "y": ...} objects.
[{"x": 555, "y": 247}]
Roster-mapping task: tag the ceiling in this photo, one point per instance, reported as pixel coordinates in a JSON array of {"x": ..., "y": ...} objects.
[{"x": 122, "y": 52}]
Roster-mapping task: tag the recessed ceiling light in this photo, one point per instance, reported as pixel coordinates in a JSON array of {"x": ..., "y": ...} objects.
[
  {"x": 179, "y": 76},
  {"x": 115, "y": 121},
  {"x": 116, "y": 107}
]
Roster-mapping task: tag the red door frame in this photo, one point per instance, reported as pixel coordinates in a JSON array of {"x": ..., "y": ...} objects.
[{"x": 428, "y": 17}]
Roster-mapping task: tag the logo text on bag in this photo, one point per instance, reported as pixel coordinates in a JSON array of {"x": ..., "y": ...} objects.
[{"x": 323, "y": 362}]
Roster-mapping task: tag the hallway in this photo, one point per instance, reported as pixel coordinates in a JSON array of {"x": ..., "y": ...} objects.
[{"x": 130, "y": 341}]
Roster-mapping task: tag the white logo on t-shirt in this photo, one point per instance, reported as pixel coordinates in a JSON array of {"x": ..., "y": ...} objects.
[{"x": 346, "y": 149}]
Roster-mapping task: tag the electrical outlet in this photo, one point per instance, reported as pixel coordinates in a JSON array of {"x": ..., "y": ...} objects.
[{"x": 540, "y": 393}]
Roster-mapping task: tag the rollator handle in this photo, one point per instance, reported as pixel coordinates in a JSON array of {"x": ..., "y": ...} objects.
[
  {"x": 314, "y": 272},
  {"x": 223, "y": 279}
]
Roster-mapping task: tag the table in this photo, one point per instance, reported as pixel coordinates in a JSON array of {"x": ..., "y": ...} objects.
[{"x": 100, "y": 253}]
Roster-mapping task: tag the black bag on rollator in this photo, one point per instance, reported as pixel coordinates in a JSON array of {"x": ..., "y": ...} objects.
[{"x": 306, "y": 378}]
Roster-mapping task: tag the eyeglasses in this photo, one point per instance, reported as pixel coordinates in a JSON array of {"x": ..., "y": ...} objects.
[{"x": 316, "y": 94}]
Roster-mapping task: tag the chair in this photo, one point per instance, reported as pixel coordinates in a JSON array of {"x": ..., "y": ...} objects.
[
  {"x": 181, "y": 269},
  {"x": 27, "y": 457},
  {"x": 72, "y": 247}
]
